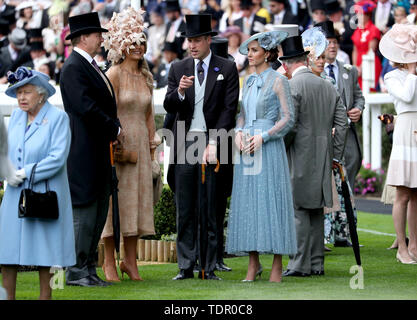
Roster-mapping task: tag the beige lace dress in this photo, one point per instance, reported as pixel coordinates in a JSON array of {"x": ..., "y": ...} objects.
[{"x": 136, "y": 114}]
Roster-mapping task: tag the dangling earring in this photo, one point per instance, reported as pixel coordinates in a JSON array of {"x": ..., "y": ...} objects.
[{"x": 266, "y": 59}]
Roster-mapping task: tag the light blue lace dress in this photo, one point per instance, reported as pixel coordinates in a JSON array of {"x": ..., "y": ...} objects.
[{"x": 262, "y": 216}]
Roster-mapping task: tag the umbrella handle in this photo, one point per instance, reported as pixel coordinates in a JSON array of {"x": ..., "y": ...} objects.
[
  {"x": 203, "y": 171},
  {"x": 111, "y": 154},
  {"x": 342, "y": 173}
]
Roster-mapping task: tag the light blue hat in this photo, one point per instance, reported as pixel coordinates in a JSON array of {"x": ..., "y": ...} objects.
[
  {"x": 315, "y": 40},
  {"x": 267, "y": 40},
  {"x": 23, "y": 76}
]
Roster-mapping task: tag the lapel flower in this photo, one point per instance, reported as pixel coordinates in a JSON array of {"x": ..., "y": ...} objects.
[
  {"x": 216, "y": 69},
  {"x": 348, "y": 66}
]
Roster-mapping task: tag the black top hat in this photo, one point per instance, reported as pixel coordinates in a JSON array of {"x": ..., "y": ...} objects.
[
  {"x": 197, "y": 25},
  {"x": 282, "y": 1},
  {"x": 328, "y": 29},
  {"x": 219, "y": 47},
  {"x": 171, "y": 46},
  {"x": 292, "y": 47},
  {"x": 36, "y": 46},
  {"x": 332, "y": 6},
  {"x": 172, "y": 5},
  {"x": 84, "y": 24},
  {"x": 317, "y": 5}
]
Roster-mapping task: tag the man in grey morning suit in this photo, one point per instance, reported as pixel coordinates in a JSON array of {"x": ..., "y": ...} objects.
[
  {"x": 311, "y": 152},
  {"x": 346, "y": 77}
]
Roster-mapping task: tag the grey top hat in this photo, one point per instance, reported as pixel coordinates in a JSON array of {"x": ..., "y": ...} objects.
[
  {"x": 18, "y": 38},
  {"x": 292, "y": 29}
]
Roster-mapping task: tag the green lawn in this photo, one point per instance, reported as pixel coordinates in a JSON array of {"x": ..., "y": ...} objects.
[{"x": 384, "y": 277}]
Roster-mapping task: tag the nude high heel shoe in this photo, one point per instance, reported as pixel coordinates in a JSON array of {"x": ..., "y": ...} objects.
[
  {"x": 109, "y": 278},
  {"x": 412, "y": 255},
  {"x": 403, "y": 261},
  {"x": 258, "y": 273},
  {"x": 131, "y": 275}
]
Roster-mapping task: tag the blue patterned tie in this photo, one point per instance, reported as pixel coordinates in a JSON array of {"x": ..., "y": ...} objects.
[
  {"x": 200, "y": 72},
  {"x": 331, "y": 73}
]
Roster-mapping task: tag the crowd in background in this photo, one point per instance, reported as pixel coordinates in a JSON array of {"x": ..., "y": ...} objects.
[{"x": 32, "y": 33}]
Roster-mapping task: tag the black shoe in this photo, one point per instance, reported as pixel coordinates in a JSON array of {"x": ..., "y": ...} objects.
[
  {"x": 184, "y": 274},
  {"x": 100, "y": 282},
  {"x": 317, "y": 273},
  {"x": 208, "y": 276},
  {"x": 222, "y": 267},
  {"x": 83, "y": 282},
  {"x": 327, "y": 249},
  {"x": 293, "y": 273},
  {"x": 342, "y": 243}
]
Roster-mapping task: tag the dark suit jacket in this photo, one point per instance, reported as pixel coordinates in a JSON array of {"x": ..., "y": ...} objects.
[
  {"x": 253, "y": 30},
  {"x": 178, "y": 39},
  {"x": 220, "y": 99},
  {"x": 6, "y": 62},
  {"x": 289, "y": 18},
  {"x": 94, "y": 124}
]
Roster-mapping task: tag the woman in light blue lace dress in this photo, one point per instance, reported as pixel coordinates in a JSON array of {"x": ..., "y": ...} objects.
[{"x": 262, "y": 218}]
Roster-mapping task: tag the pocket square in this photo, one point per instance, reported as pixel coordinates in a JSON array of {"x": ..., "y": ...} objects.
[{"x": 220, "y": 77}]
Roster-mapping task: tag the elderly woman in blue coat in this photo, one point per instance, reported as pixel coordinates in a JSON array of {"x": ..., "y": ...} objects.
[{"x": 38, "y": 133}]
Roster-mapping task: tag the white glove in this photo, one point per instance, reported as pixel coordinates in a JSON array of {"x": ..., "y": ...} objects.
[{"x": 16, "y": 178}]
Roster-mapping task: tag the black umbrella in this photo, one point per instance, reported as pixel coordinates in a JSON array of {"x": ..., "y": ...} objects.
[
  {"x": 350, "y": 216},
  {"x": 115, "y": 204},
  {"x": 205, "y": 192}
]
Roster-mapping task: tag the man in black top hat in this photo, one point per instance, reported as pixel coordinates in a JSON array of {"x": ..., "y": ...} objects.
[
  {"x": 169, "y": 56},
  {"x": 346, "y": 77},
  {"x": 250, "y": 23},
  {"x": 175, "y": 26},
  {"x": 318, "y": 13},
  {"x": 203, "y": 92},
  {"x": 90, "y": 102},
  {"x": 311, "y": 149}
]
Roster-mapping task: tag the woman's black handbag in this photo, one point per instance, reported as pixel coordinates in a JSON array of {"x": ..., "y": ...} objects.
[{"x": 36, "y": 204}]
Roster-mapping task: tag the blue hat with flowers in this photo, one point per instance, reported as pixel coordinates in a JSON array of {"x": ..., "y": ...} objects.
[
  {"x": 267, "y": 40},
  {"x": 24, "y": 76}
]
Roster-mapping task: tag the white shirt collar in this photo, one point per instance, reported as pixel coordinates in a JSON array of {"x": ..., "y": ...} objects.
[
  {"x": 297, "y": 70},
  {"x": 281, "y": 14},
  {"x": 13, "y": 53},
  {"x": 334, "y": 64},
  {"x": 84, "y": 54},
  {"x": 206, "y": 60},
  {"x": 3, "y": 7}
]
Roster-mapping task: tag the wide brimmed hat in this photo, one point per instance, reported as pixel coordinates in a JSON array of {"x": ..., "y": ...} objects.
[
  {"x": 84, "y": 24},
  {"x": 18, "y": 38},
  {"x": 197, "y": 25},
  {"x": 292, "y": 29},
  {"x": 400, "y": 43},
  {"x": 219, "y": 46},
  {"x": 24, "y": 76},
  {"x": 292, "y": 47},
  {"x": 267, "y": 40},
  {"x": 26, "y": 4},
  {"x": 231, "y": 30},
  {"x": 328, "y": 28},
  {"x": 314, "y": 40}
]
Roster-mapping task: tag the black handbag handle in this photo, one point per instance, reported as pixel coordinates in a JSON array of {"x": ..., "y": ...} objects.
[{"x": 32, "y": 178}]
